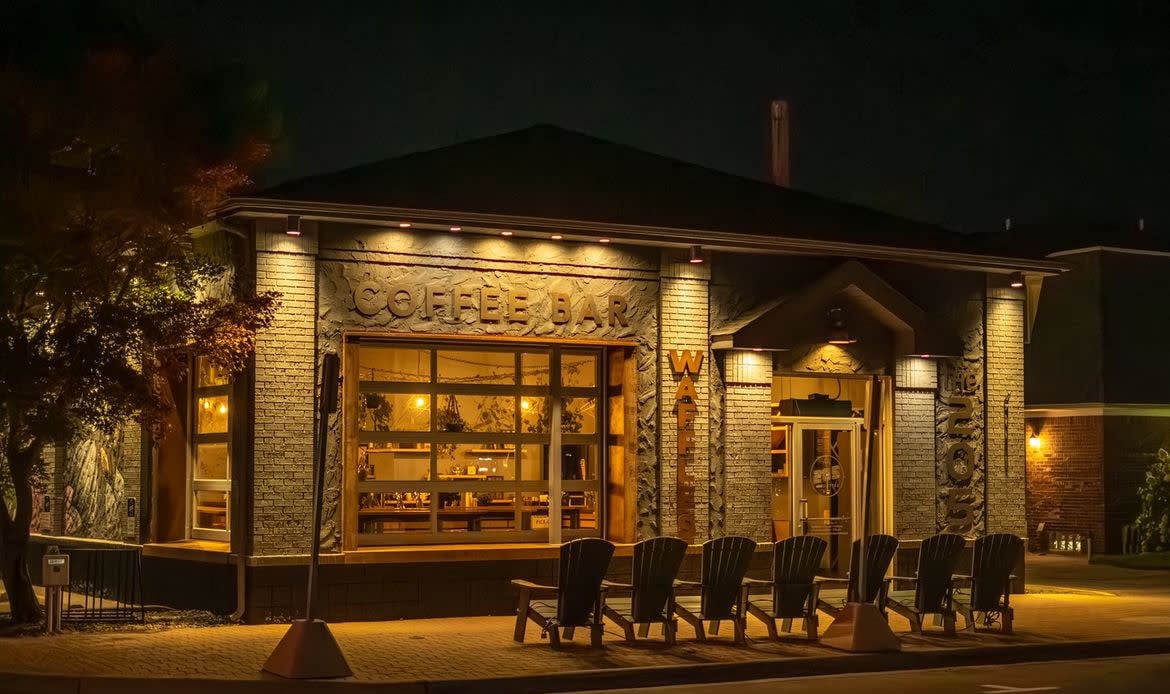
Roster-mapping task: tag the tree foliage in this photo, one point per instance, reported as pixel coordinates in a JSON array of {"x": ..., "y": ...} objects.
[
  {"x": 1153, "y": 522},
  {"x": 110, "y": 157}
]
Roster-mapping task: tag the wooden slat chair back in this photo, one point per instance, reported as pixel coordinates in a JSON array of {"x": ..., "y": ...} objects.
[
  {"x": 656, "y": 564},
  {"x": 722, "y": 593},
  {"x": 579, "y": 595},
  {"x": 794, "y": 589},
  {"x": 937, "y": 559},
  {"x": 933, "y": 583},
  {"x": 879, "y": 554},
  {"x": 989, "y": 593},
  {"x": 651, "y": 588}
]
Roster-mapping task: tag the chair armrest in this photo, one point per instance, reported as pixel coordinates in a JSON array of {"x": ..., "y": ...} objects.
[
  {"x": 679, "y": 583},
  {"x": 829, "y": 579},
  {"x": 756, "y": 582},
  {"x": 521, "y": 583},
  {"x": 615, "y": 585},
  {"x": 960, "y": 577},
  {"x": 911, "y": 579}
]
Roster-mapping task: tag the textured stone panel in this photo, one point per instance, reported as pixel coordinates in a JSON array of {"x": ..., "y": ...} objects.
[
  {"x": 960, "y": 485},
  {"x": 94, "y": 485}
]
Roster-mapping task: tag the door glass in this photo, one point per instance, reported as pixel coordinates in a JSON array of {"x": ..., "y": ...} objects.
[
  {"x": 781, "y": 483},
  {"x": 827, "y": 489}
]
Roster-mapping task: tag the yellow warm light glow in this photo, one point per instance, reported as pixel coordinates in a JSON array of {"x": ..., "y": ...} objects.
[
  {"x": 1034, "y": 441},
  {"x": 223, "y": 409},
  {"x": 524, "y": 404},
  {"x": 207, "y": 404},
  {"x": 420, "y": 403}
]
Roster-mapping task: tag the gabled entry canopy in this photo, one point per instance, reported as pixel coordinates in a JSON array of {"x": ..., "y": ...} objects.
[{"x": 771, "y": 326}]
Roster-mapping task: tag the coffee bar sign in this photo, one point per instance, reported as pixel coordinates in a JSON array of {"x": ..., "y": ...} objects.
[{"x": 485, "y": 304}]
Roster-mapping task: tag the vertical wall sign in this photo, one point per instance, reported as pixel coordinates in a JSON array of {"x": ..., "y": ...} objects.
[
  {"x": 959, "y": 418},
  {"x": 686, "y": 366}
]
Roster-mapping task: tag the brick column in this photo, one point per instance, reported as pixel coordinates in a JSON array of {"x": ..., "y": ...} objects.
[
  {"x": 131, "y": 480},
  {"x": 285, "y": 375},
  {"x": 747, "y": 486},
  {"x": 683, "y": 325},
  {"x": 1005, "y": 379},
  {"x": 915, "y": 382}
]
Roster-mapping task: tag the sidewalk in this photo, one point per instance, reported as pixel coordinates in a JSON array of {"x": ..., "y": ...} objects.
[{"x": 480, "y": 648}]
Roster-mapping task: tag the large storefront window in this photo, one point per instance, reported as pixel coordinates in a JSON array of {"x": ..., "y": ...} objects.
[
  {"x": 211, "y": 480},
  {"x": 453, "y": 443}
]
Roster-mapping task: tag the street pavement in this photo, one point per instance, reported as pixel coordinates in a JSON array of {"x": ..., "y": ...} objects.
[
  {"x": 1136, "y": 674},
  {"x": 1076, "y": 603}
]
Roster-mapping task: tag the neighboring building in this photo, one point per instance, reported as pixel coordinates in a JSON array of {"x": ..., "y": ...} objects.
[
  {"x": 1097, "y": 390},
  {"x": 546, "y": 336}
]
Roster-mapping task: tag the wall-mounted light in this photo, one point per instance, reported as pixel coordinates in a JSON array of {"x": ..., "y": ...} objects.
[
  {"x": 456, "y": 228},
  {"x": 838, "y": 331},
  {"x": 404, "y": 225},
  {"x": 292, "y": 225},
  {"x": 1035, "y": 441},
  {"x": 556, "y": 237},
  {"x": 505, "y": 233},
  {"x": 696, "y": 254},
  {"x": 603, "y": 240},
  {"x": 1017, "y": 280}
]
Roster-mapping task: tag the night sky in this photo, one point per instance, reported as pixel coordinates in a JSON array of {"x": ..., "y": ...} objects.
[{"x": 957, "y": 115}]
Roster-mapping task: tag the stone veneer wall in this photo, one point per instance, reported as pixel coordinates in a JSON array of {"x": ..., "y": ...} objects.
[
  {"x": 915, "y": 384},
  {"x": 282, "y": 453},
  {"x": 684, "y": 325},
  {"x": 351, "y": 255},
  {"x": 1006, "y": 441},
  {"x": 747, "y": 438}
]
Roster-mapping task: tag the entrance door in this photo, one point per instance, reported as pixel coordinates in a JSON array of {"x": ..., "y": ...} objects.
[{"x": 825, "y": 478}]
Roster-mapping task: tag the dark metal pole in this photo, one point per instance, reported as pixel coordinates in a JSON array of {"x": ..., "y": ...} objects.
[
  {"x": 874, "y": 411},
  {"x": 327, "y": 401}
]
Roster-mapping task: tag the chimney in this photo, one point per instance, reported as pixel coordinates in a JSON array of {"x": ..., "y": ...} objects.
[{"x": 781, "y": 174}]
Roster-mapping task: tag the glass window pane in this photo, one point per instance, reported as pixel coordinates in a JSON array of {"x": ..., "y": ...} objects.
[
  {"x": 211, "y": 461},
  {"x": 477, "y": 511},
  {"x": 208, "y": 374},
  {"x": 579, "y": 510},
  {"x": 534, "y": 414},
  {"x": 394, "y": 412},
  {"x": 394, "y": 513},
  {"x": 579, "y": 415},
  {"x": 534, "y": 462},
  {"x": 578, "y": 370},
  {"x": 213, "y": 415},
  {"x": 534, "y": 369},
  {"x": 479, "y": 413},
  {"x": 534, "y": 511},
  {"x": 211, "y": 510},
  {"x": 394, "y": 364},
  {"x": 465, "y": 366},
  {"x": 477, "y": 461},
  {"x": 394, "y": 461},
  {"x": 579, "y": 461}
]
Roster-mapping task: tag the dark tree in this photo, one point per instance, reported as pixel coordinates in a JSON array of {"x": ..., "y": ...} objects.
[{"x": 113, "y": 149}]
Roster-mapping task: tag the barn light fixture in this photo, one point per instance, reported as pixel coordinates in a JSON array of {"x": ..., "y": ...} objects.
[
  {"x": 292, "y": 226},
  {"x": 838, "y": 331},
  {"x": 1017, "y": 280},
  {"x": 696, "y": 254}
]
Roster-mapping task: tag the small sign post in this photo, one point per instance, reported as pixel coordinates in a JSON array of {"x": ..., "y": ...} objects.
[
  {"x": 55, "y": 577},
  {"x": 308, "y": 649}
]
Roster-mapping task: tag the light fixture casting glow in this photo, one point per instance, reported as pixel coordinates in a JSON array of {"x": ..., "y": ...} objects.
[
  {"x": 924, "y": 356},
  {"x": 505, "y": 233},
  {"x": 292, "y": 226},
  {"x": 456, "y": 228},
  {"x": 404, "y": 225},
  {"x": 603, "y": 240},
  {"x": 838, "y": 331},
  {"x": 1017, "y": 280},
  {"x": 556, "y": 237},
  {"x": 1034, "y": 441},
  {"x": 223, "y": 409},
  {"x": 420, "y": 403},
  {"x": 696, "y": 254}
]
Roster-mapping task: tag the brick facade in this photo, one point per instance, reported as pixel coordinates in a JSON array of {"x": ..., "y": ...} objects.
[
  {"x": 1006, "y": 444},
  {"x": 915, "y": 383},
  {"x": 683, "y": 325},
  {"x": 747, "y": 437},
  {"x": 285, "y": 373},
  {"x": 1065, "y": 483}
]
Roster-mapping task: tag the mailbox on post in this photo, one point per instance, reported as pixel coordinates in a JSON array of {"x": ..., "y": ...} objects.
[{"x": 54, "y": 576}]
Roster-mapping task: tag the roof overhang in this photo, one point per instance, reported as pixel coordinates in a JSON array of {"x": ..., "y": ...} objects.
[
  {"x": 766, "y": 327},
  {"x": 581, "y": 230}
]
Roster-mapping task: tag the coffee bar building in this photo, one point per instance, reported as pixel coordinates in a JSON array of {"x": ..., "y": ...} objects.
[{"x": 546, "y": 336}]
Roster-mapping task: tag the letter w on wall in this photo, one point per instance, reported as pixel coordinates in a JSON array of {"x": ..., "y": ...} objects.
[{"x": 687, "y": 360}]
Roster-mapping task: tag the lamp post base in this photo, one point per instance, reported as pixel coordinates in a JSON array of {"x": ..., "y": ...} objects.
[
  {"x": 308, "y": 651},
  {"x": 860, "y": 628}
]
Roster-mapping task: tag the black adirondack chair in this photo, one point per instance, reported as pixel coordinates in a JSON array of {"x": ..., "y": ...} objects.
[
  {"x": 794, "y": 589},
  {"x": 722, "y": 593},
  {"x": 577, "y": 600},
  {"x": 879, "y": 554},
  {"x": 987, "y": 589},
  {"x": 933, "y": 584},
  {"x": 651, "y": 589}
]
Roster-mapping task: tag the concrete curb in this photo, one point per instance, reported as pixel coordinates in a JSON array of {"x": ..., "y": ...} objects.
[{"x": 618, "y": 678}]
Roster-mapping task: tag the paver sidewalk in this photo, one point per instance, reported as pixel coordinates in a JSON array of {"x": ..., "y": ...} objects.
[{"x": 481, "y": 648}]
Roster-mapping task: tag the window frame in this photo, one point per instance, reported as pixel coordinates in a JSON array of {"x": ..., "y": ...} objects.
[{"x": 195, "y": 438}]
